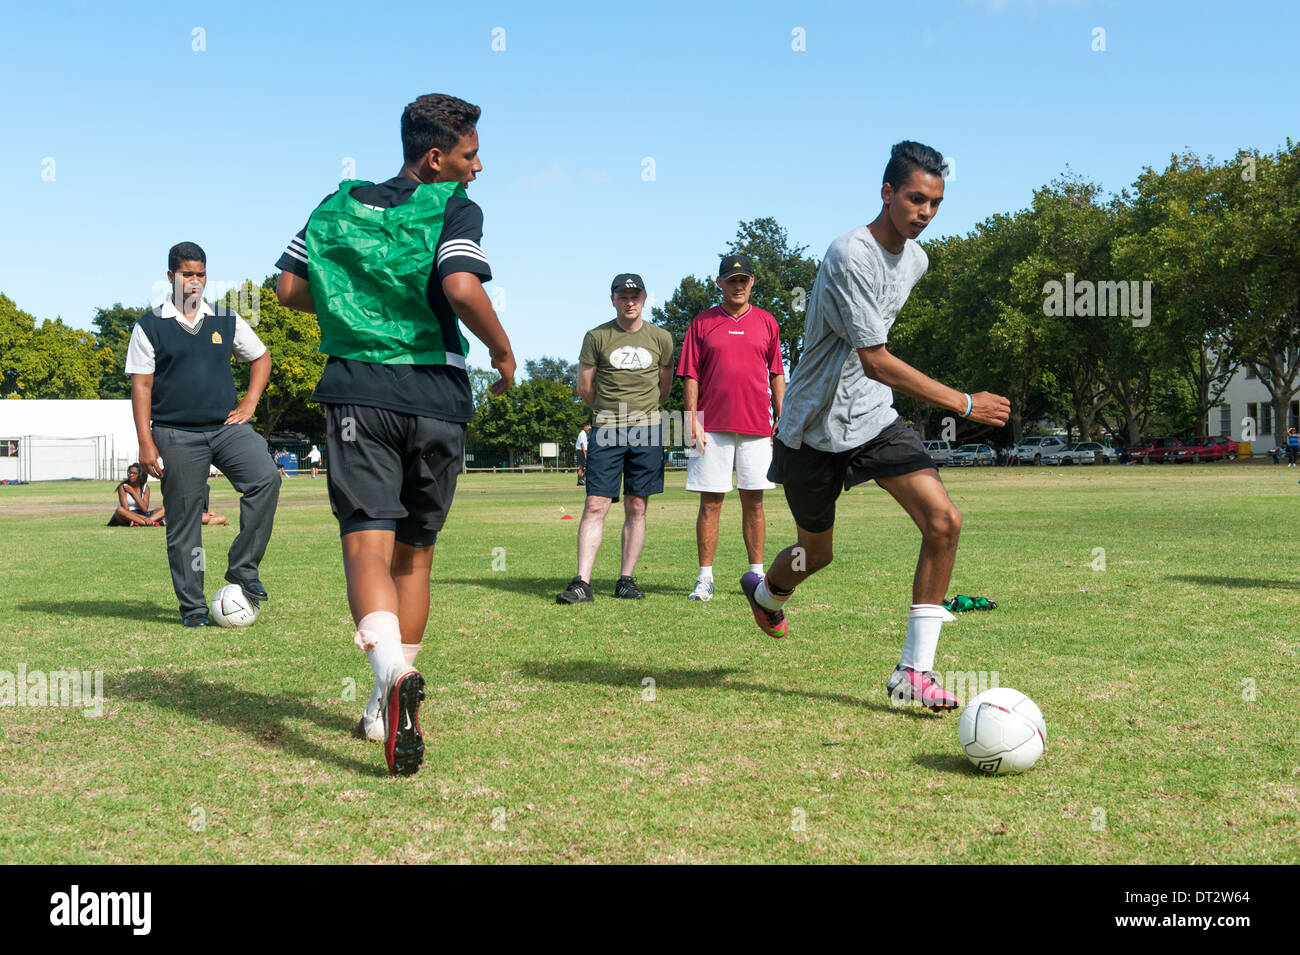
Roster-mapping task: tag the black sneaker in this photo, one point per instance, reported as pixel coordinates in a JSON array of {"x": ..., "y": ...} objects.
[
  {"x": 627, "y": 589},
  {"x": 578, "y": 592},
  {"x": 196, "y": 620}
]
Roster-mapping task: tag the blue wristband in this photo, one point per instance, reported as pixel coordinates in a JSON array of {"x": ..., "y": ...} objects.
[{"x": 970, "y": 403}]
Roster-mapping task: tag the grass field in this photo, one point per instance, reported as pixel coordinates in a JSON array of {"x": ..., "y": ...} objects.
[{"x": 1168, "y": 680}]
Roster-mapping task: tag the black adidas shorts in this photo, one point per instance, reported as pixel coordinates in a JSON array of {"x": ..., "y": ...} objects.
[
  {"x": 392, "y": 471},
  {"x": 813, "y": 479}
]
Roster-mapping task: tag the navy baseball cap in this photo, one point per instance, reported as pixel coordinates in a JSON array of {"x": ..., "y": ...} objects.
[
  {"x": 626, "y": 280},
  {"x": 735, "y": 265}
]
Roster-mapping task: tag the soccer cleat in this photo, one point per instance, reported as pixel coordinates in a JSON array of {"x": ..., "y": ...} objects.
[
  {"x": 371, "y": 729},
  {"x": 771, "y": 622},
  {"x": 197, "y": 620},
  {"x": 703, "y": 589},
  {"x": 252, "y": 589},
  {"x": 403, "y": 744},
  {"x": 626, "y": 589},
  {"x": 578, "y": 592},
  {"x": 912, "y": 686}
]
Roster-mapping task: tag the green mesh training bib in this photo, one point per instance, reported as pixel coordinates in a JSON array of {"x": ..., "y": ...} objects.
[{"x": 369, "y": 270}]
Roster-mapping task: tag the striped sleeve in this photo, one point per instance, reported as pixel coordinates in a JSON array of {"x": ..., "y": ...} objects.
[
  {"x": 458, "y": 247},
  {"x": 294, "y": 258}
]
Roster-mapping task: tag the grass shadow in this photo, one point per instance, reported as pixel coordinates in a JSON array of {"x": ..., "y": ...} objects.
[
  {"x": 615, "y": 675},
  {"x": 548, "y": 588},
  {"x": 259, "y": 715},
  {"x": 1207, "y": 580},
  {"x": 138, "y": 611},
  {"x": 947, "y": 763}
]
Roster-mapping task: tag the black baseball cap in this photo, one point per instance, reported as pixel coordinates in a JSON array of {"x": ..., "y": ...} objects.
[
  {"x": 626, "y": 280},
  {"x": 735, "y": 265}
]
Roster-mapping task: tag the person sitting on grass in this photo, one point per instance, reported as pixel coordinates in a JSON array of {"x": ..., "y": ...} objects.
[
  {"x": 210, "y": 516},
  {"x": 133, "y": 502}
]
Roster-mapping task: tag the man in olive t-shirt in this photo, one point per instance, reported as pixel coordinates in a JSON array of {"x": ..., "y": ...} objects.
[{"x": 625, "y": 371}]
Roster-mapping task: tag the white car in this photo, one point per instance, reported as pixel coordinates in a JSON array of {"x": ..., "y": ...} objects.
[
  {"x": 939, "y": 451},
  {"x": 971, "y": 455},
  {"x": 1031, "y": 450}
]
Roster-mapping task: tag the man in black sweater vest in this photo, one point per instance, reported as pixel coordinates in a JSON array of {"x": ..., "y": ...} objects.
[{"x": 187, "y": 418}]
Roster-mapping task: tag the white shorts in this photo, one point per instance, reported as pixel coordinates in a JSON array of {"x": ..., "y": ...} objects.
[{"x": 749, "y": 454}]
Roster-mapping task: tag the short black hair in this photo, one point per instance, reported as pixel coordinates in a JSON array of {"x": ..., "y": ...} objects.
[
  {"x": 907, "y": 157},
  {"x": 184, "y": 252},
  {"x": 436, "y": 121}
]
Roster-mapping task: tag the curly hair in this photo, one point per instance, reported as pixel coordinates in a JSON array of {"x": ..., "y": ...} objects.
[{"x": 436, "y": 121}]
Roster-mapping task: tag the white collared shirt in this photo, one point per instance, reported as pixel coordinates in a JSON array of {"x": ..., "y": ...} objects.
[{"x": 139, "y": 353}]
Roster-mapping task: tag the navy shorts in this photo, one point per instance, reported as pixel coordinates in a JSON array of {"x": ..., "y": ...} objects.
[
  {"x": 391, "y": 471},
  {"x": 813, "y": 479},
  {"x": 630, "y": 458}
]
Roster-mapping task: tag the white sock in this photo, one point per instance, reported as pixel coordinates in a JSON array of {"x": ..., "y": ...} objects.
[
  {"x": 756, "y": 568},
  {"x": 924, "y": 622},
  {"x": 380, "y": 636},
  {"x": 706, "y": 572},
  {"x": 372, "y": 706},
  {"x": 765, "y": 598}
]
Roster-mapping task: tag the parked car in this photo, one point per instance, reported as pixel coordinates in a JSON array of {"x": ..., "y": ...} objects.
[
  {"x": 971, "y": 455},
  {"x": 1032, "y": 449},
  {"x": 939, "y": 451},
  {"x": 1101, "y": 453},
  {"x": 1158, "y": 451},
  {"x": 1208, "y": 448},
  {"x": 1083, "y": 453}
]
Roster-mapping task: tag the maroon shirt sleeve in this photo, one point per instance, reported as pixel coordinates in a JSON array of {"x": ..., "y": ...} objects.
[
  {"x": 774, "y": 359},
  {"x": 689, "y": 366}
]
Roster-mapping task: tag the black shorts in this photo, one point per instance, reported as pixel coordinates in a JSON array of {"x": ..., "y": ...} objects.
[
  {"x": 812, "y": 479},
  {"x": 632, "y": 458},
  {"x": 392, "y": 471}
]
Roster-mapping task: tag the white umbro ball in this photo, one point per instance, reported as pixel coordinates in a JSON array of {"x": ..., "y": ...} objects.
[
  {"x": 1002, "y": 731},
  {"x": 231, "y": 608}
]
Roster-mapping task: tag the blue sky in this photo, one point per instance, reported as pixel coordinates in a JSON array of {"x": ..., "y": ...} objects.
[{"x": 153, "y": 142}]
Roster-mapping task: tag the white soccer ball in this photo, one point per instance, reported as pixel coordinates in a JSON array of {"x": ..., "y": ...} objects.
[
  {"x": 231, "y": 608},
  {"x": 1002, "y": 731}
]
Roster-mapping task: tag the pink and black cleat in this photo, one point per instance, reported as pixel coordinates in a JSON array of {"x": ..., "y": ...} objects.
[
  {"x": 403, "y": 744},
  {"x": 771, "y": 622},
  {"x": 912, "y": 686}
]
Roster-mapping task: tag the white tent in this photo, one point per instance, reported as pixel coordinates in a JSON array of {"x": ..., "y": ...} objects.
[{"x": 52, "y": 440}]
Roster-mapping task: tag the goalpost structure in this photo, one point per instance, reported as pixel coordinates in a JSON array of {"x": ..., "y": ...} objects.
[{"x": 38, "y": 457}]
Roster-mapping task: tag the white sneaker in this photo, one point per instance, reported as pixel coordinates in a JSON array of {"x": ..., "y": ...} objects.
[{"x": 703, "y": 589}]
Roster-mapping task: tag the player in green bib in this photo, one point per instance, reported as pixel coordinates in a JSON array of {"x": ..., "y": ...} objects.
[{"x": 389, "y": 268}]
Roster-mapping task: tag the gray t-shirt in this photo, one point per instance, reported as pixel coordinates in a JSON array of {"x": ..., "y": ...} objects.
[{"x": 831, "y": 404}]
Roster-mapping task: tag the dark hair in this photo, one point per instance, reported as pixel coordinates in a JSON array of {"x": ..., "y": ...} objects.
[
  {"x": 184, "y": 252},
  {"x": 906, "y": 157},
  {"x": 435, "y": 121},
  {"x": 139, "y": 471}
]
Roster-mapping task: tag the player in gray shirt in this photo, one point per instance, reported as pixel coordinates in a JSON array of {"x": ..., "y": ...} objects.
[{"x": 839, "y": 428}]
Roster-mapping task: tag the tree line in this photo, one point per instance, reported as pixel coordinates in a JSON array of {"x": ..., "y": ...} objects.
[{"x": 1122, "y": 314}]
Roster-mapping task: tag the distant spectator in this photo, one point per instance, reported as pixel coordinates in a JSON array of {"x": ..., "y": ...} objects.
[
  {"x": 1292, "y": 446},
  {"x": 280, "y": 457},
  {"x": 133, "y": 502},
  {"x": 313, "y": 457},
  {"x": 210, "y": 516}
]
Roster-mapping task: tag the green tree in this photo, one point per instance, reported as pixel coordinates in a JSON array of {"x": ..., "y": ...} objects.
[
  {"x": 552, "y": 369},
  {"x": 528, "y": 415},
  {"x": 293, "y": 339},
  {"x": 783, "y": 278},
  {"x": 1261, "y": 232},
  {"x": 113, "y": 327},
  {"x": 50, "y": 360}
]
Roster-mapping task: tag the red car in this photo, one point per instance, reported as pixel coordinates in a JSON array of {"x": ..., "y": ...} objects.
[
  {"x": 1161, "y": 449},
  {"x": 1208, "y": 448}
]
